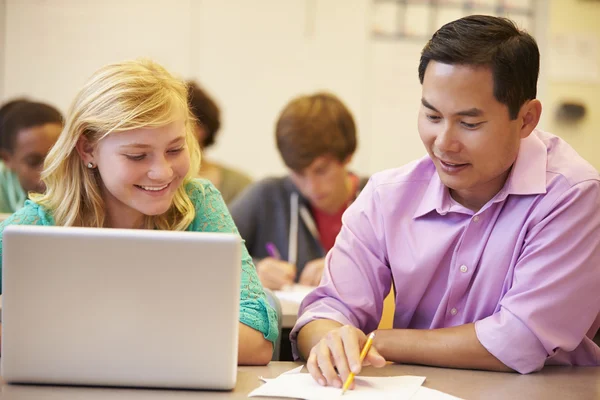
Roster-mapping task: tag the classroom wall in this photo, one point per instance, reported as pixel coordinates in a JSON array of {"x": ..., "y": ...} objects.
[
  {"x": 253, "y": 57},
  {"x": 2, "y": 41},
  {"x": 576, "y": 17},
  {"x": 52, "y": 47},
  {"x": 256, "y": 58}
]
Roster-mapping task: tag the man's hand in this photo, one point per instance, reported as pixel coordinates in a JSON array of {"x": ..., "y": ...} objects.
[
  {"x": 340, "y": 349},
  {"x": 275, "y": 274},
  {"x": 312, "y": 272}
]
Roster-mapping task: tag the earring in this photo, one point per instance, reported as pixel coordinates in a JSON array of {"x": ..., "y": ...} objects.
[{"x": 90, "y": 165}]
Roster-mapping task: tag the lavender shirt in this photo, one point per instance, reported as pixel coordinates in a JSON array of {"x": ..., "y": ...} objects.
[{"x": 525, "y": 268}]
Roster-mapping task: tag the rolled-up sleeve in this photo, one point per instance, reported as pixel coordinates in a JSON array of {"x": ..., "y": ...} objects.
[
  {"x": 554, "y": 298},
  {"x": 357, "y": 276}
]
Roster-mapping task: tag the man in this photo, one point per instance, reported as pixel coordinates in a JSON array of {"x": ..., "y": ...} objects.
[
  {"x": 290, "y": 223},
  {"x": 492, "y": 241}
]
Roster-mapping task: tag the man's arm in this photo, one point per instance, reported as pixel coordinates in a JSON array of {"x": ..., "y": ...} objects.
[
  {"x": 356, "y": 276},
  {"x": 455, "y": 347},
  {"x": 556, "y": 273}
]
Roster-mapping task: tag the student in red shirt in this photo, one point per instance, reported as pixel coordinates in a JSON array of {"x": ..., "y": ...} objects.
[{"x": 289, "y": 223}]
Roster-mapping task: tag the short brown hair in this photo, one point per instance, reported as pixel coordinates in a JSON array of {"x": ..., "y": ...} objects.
[
  {"x": 206, "y": 112},
  {"x": 313, "y": 126}
]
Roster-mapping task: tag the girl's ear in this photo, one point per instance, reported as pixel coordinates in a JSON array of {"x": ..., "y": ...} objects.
[{"x": 85, "y": 150}]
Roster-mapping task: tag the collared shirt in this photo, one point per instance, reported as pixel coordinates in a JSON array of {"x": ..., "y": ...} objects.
[{"x": 525, "y": 268}]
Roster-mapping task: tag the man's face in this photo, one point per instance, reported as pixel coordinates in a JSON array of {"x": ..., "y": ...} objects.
[{"x": 467, "y": 132}]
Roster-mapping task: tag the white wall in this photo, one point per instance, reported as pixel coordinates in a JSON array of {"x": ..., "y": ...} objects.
[
  {"x": 256, "y": 56},
  {"x": 52, "y": 47},
  {"x": 253, "y": 56},
  {"x": 575, "y": 17}
]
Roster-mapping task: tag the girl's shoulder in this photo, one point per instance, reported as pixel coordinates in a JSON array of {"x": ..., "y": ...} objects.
[
  {"x": 208, "y": 203},
  {"x": 30, "y": 214}
]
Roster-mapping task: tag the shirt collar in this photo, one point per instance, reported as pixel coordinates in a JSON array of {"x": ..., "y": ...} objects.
[
  {"x": 433, "y": 198},
  {"x": 527, "y": 177}
]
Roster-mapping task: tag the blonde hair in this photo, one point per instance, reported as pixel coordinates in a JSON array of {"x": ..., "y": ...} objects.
[{"x": 118, "y": 97}]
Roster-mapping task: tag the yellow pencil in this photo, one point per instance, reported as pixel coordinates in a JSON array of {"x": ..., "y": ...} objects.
[{"x": 363, "y": 354}]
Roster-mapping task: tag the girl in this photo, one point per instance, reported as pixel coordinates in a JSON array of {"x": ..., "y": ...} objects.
[{"x": 126, "y": 159}]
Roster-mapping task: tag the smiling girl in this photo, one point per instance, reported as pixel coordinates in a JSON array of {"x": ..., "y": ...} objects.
[{"x": 126, "y": 159}]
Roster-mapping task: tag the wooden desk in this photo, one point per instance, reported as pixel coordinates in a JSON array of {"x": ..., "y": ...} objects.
[{"x": 582, "y": 383}]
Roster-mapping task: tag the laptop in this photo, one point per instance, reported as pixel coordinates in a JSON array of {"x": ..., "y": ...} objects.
[{"x": 120, "y": 307}]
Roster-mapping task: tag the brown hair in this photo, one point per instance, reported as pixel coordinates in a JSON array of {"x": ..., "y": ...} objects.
[
  {"x": 313, "y": 126},
  {"x": 206, "y": 111}
]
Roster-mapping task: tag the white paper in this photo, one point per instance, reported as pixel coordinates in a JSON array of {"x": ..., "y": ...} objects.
[
  {"x": 294, "y": 293},
  {"x": 303, "y": 386}
]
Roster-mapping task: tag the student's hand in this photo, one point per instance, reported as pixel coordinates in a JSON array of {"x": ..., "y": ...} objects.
[
  {"x": 340, "y": 348},
  {"x": 275, "y": 274},
  {"x": 312, "y": 272}
]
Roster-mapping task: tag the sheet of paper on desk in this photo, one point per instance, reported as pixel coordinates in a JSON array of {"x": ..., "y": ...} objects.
[
  {"x": 303, "y": 386},
  {"x": 295, "y": 293}
]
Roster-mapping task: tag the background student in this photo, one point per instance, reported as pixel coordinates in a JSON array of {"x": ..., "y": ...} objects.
[
  {"x": 28, "y": 130},
  {"x": 230, "y": 182},
  {"x": 289, "y": 223},
  {"x": 127, "y": 158}
]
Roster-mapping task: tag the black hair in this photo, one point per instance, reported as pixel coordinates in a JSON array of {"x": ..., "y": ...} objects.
[
  {"x": 497, "y": 43},
  {"x": 206, "y": 112},
  {"x": 23, "y": 115}
]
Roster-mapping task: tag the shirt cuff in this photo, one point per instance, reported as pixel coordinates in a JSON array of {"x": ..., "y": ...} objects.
[{"x": 508, "y": 339}]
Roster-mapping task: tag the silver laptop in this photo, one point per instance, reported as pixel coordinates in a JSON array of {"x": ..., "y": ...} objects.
[{"x": 117, "y": 307}]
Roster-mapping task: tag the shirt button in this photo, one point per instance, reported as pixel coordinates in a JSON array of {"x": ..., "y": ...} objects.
[
  {"x": 463, "y": 268},
  {"x": 476, "y": 218},
  {"x": 454, "y": 311}
]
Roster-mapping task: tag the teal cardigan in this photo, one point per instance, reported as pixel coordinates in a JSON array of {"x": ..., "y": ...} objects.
[{"x": 211, "y": 216}]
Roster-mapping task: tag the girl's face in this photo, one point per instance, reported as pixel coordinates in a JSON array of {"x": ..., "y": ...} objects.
[{"x": 140, "y": 171}]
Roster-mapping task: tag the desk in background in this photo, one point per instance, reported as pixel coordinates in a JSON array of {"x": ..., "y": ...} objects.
[{"x": 582, "y": 383}]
